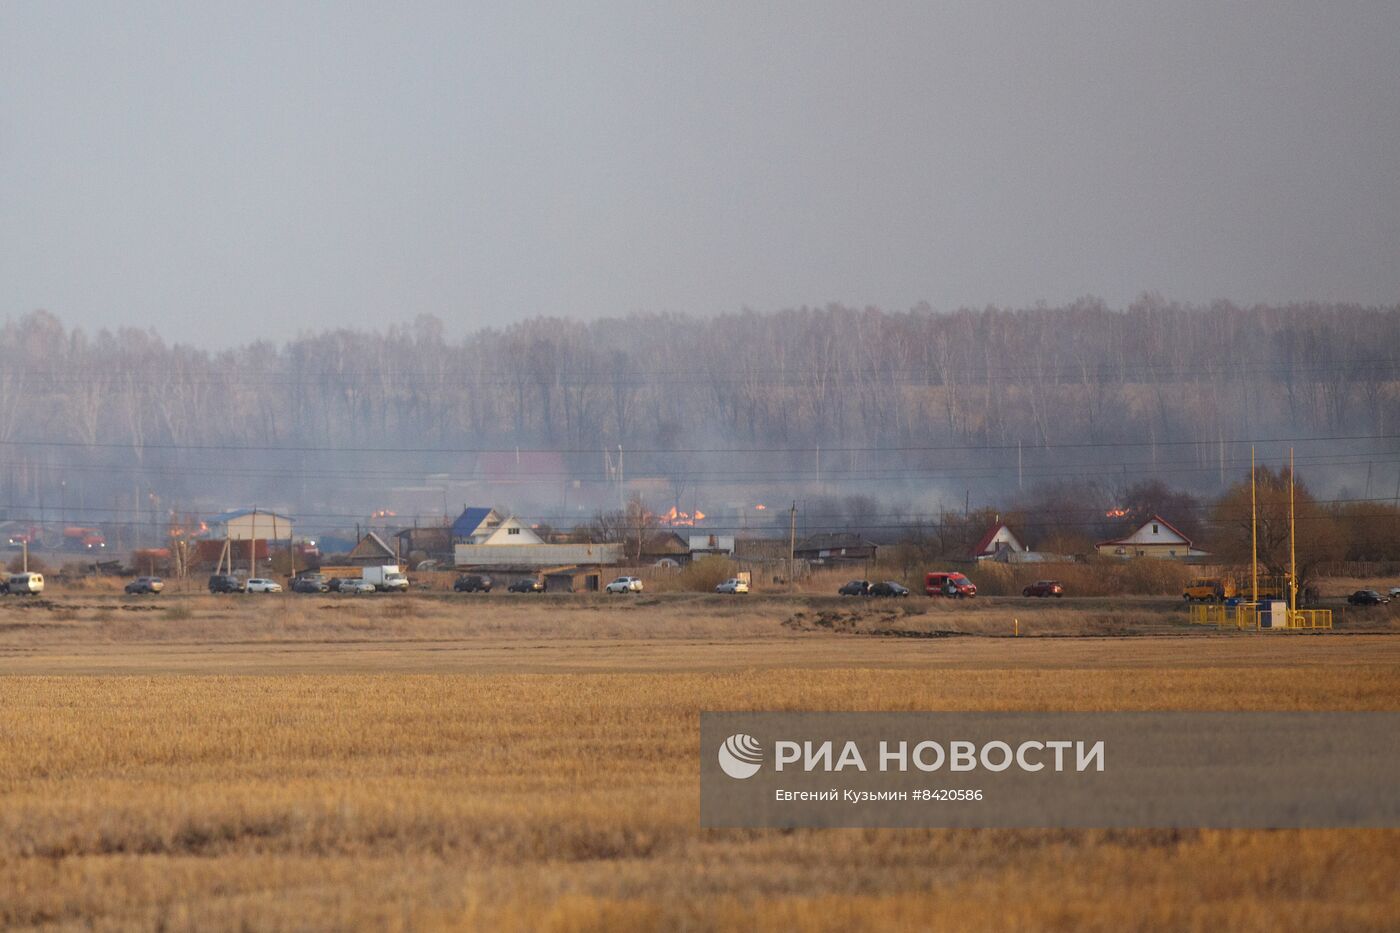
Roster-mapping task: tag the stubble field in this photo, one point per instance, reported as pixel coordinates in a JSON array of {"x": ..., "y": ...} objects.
[{"x": 424, "y": 763}]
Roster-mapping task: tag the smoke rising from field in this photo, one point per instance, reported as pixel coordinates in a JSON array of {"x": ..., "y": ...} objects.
[{"x": 915, "y": 411}]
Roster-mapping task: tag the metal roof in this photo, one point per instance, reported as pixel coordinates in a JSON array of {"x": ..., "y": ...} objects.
[
  {"x": 468, "y": 522},
  {"x": 225, "y": 517}
]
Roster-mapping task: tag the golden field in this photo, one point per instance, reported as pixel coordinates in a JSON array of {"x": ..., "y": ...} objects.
[{"x": 424, "y": 763}]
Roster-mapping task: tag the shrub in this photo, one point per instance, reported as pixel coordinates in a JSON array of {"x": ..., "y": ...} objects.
[
  {"x": 705, "y": 574},
  {"x": 36, "y": 564}
]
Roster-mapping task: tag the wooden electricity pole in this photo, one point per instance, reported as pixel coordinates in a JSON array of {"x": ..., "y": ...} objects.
[
  {"x": 1253, "y": 535},
  {"x": 792, "y": 546}
]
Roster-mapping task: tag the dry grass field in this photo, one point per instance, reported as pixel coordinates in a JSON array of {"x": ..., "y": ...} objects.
[{"x": 530, "y": 763}]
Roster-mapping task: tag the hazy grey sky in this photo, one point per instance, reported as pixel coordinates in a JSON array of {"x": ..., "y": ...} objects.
[{"x": 240, "y": 170}]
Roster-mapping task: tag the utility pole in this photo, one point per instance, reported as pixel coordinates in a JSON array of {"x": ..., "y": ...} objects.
[
  {"x": 1292, "y": 542},
  {"x": 1253, "y": 535},
  {"x": 1020, "y": 473},
  {"x": 1220, "y": 436},
  {"x": 792, "y": 546}
]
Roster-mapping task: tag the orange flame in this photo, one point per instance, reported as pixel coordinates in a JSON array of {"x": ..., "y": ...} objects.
[
  {"x": 760, "y": 507},
  {"x": 675, "y": 517},
  {"x": 1115, "y": 513}
]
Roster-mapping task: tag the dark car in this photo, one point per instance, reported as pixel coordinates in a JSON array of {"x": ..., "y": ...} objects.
[
  {"x": 225, "y": 583},
  {"x": 310, "y": 583},
  {"x": 855, "y": 588},
  {"x": 144, "y": 585},
  {"x": 1367, "y": 598},
  {"x": 1044, "y": 588},
  {"x": 472, "y": 583},
  {"x": 526, "y": 586},
  {"x": 889, "y": 588}
]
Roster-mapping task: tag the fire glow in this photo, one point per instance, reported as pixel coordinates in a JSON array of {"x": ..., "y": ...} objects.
[{"x": 676, "y": 517}]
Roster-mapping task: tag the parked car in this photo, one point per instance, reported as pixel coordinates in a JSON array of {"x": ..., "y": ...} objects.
[
  {"x": 1367, "y": 598},
  {"x": 625, "y": 585},
  {"x": 263, "y": 585},
  {"x": 25, "y": 584},
  {"x": 472, "y": 583},
  {"x": 310, "y": 583},
  {"x": 889, "y": 588},
  {"x": 526, "y": 586},
  {"x": 145, "y": 585},
  {"x": 954, "y": 585},
  {"x": 1044, "y": 588},
  {"x": 354, "y": 586},
  {"x": 1395, "y": 592},
  {"x": 225, "y": 583},
  {"x": 855, "y": 588},
  {"x": 734, "y": 585}
]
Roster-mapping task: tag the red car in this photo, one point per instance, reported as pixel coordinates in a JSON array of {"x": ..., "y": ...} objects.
[{"x": 1044, "y": 588}]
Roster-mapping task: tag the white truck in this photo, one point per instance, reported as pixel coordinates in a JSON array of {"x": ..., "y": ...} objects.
[{"x": 386, "y": 578}]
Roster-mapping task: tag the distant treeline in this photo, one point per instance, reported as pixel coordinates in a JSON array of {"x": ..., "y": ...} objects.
[{"x": 887, "y": 393}]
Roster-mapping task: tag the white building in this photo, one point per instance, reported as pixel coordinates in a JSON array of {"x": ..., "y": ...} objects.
[
  {"x": 1154, "y": 538},
  {"x": 250, "y": 525},
  {"x": 999, "y": 540},
  {"x": 511, "y": 531},
  {"x": 701, "y": 545}
]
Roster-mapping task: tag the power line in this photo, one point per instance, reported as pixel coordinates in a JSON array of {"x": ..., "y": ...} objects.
[
  {"x": 1138, "y": 372},
  {"x": 596, "y": 450},
  {"x": 835, "y": 473},
  {"x": 888, "y": 519}
]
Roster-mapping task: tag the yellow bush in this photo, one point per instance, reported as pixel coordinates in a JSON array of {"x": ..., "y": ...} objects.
[{"x": 705, "y": 574}]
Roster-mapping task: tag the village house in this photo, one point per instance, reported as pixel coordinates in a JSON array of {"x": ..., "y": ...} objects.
[
  {"x": 475, "y": 525},
  {"x": 711, "y": 545},
  {"x": 1153, "y": 538},
  {"x": 835, "y": 548},
  {"x": 372, "y": 551},
  {"x": 665, "y": 549},
  {"x": 486, "y": 542},
  {"x": 433, "y": 543},
  {"x": 997, "y": 544},
  {"x": 1000, "y": 545}
]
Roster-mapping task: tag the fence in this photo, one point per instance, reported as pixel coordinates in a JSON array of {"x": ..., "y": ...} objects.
[
  {"x": 1239, "y": 616},
  {"x": 1310, "y": 618},
  {"x": 1245, "y": 616}
]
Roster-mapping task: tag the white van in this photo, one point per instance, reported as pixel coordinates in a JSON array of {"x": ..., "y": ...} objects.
[{"x": 26, "y": 584}]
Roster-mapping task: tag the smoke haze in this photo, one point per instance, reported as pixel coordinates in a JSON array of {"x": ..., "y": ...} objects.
[{"x": 227, "y": 174}]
